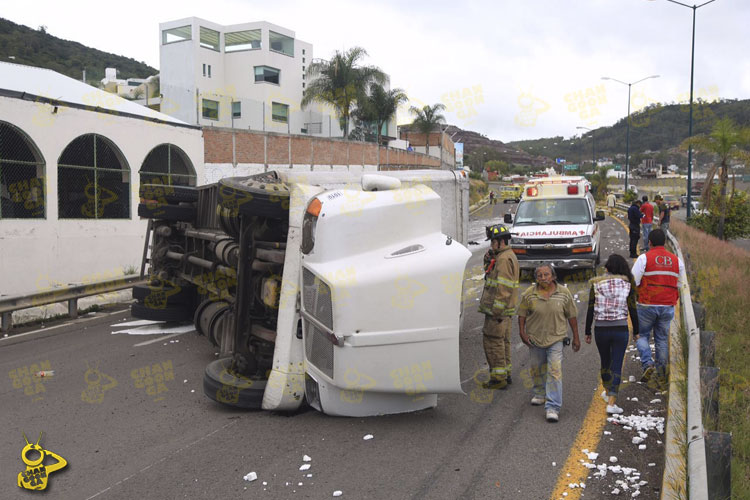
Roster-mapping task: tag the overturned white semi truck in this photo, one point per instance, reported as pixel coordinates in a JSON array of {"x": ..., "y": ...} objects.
[{"x": 343, "y": 290}]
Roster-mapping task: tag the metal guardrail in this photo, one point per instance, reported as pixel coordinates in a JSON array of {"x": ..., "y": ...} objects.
[
  {"x": 696, "y": 460},
  {"x": 69, "y": 294},
  {"x": 694, "y": 472}
]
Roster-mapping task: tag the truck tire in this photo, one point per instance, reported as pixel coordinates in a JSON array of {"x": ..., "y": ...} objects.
[
  {"x": 226, "y": 387},
  {"x": 171, "y": 312},
  {"x": 257, "y": 195},
  {"x": 170, "y": 194},
  {"x": 173, "y": 213}
]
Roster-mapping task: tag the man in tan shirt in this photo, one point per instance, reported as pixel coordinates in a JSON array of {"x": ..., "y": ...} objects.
[
  {"x": 546, "y": 310},
  {"x": 498, "y": 304}
]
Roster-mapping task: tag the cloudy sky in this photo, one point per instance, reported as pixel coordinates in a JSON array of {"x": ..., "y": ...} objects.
[{"x": 510, "y": 69}]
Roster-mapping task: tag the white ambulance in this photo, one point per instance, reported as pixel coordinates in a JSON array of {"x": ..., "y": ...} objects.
[{"x": 556, "y": 223}]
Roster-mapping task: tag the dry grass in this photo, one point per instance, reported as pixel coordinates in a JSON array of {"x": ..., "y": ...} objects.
[
  {"x": 720, "y": 279},
  {"x": 477, "y": 190}
]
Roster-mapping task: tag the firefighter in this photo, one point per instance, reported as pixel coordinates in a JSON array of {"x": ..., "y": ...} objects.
[{"x": 498, "y": 304}]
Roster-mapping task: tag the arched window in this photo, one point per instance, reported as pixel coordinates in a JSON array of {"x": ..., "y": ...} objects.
[
  {"x": 167, "y": 164},
  {"x": 22, "y": 179},
  {"x": 93, "y": 180}
]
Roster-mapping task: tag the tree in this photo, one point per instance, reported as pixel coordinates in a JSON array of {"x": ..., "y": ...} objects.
[
  {"x": 340, "y": 82},
  {"x": 499, "y": 166},
  {"x": 427, "y": 119},
  {"x": 726, "y": 141},
  {"x": 737, "y": 223},
  {"x": 379, "y": 106},
  {"x": 599, "y": 182}
]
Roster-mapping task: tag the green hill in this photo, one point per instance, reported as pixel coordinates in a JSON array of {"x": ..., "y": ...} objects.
[
  {"x": 23, "y": 45},
  {"x": 654, "y": 131}
]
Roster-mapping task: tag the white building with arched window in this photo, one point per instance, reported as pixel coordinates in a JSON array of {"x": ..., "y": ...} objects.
[{"x": 72, "y": 158}]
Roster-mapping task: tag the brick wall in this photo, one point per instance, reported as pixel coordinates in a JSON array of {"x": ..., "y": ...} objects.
[{"x": 273, "y": 149}]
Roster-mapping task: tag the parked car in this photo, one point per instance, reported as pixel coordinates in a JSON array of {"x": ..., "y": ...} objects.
[{"x": 671, "y": 201}]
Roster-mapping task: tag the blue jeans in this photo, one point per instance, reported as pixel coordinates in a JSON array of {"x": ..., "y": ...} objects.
[
  {"x": 546, "y": 372},
  {"x": 656, "y": 318},
  {"x": 611, "y": 342},
  {"x": 646, "y": 230}
]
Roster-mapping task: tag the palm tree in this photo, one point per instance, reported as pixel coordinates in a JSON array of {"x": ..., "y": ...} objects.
[
  {"x": 427, "y": 119},
  {"x": 725, "y": 140},
  {"x": 599, "y": 182},
  {"x": 340, "y": 82},
  {"x": 380, "y": 106}
]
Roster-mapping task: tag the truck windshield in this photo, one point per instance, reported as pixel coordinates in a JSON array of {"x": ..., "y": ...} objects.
[{"x": 553, "y": 212}]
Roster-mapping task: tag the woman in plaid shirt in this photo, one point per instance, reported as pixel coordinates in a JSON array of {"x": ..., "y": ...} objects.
[{"x": 611, "y": 299}]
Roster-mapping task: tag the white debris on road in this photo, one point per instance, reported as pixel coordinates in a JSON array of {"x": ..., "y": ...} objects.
[
  {"x": 613, "y": 460},
  {"x": 368, "y": 437},
  {"x": 251, "y": 476},
  {"x": 337, "y": 493},
  {"x": 304, "y": 467},
  {"x": 306, "y": 458}
]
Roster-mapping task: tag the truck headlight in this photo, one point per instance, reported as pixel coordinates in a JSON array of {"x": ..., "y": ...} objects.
[
  {"x": 516, "y": 241},
  {"x": 582, "y": 239}
]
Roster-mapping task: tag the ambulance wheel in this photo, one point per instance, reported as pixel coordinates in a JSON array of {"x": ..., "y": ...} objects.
[{"x": 224, "y": 386}]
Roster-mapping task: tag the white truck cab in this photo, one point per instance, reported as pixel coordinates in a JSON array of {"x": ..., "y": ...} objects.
[{"x": 556, "y": 223}]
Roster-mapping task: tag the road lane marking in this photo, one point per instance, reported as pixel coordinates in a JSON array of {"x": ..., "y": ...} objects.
[
  {"x": 165, "y": 337},
  {"x": 588, "y": 438},
  {"x": 165, "y": 458}
]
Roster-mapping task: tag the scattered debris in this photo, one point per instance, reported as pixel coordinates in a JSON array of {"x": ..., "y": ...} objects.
[
  {"x": 368, "y": 437},
  {"x": 304, "y": 467},
  {"x": 337, "y": 493},
  {"x": 306, "y": 458},
  {"x": 251, "y": 476}
]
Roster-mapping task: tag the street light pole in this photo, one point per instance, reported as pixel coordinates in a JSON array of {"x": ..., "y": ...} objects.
[
  {"x": 627, "y": 135},
  {"x": 593, "y": 147},
  {"x": 690, "y": 126}
]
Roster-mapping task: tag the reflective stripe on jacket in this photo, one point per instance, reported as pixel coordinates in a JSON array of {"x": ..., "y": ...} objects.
[{"x": 659, "y": 283}]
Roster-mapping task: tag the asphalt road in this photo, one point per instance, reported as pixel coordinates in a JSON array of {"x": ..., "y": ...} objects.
[{"x": 125, "y": 437}]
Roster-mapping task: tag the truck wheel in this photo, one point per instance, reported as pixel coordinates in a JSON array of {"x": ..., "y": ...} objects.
[
  {"x": 256, "y": 195},
  {"x": 224, "y": 386},
  {"x": 170, "y": 194},
  {"x": 173, "y": 213},
  {"x": 170, "y": 312}
]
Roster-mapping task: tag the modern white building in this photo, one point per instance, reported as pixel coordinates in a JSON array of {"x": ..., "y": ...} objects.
[
  {"x": 129, "y": 87},
  {"x": 248, "y": 76},
  {"x": 72, "y": 158}
]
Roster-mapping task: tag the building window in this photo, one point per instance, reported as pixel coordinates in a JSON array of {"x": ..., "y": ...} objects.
[
  {"x": 267, "y": 74},
  {"x": 279, "y": 112},
  {"x": 93, "y": 180},
  {"x": 303, "y": 67},
  {"x": 204, "y": 70},
  {"x": 236, "y": 109},
  {"x": 209, "y": 71},
  {"x": 303, "y": 59},
  {"x": 209, "y": 39},
  {"x": 168, "y": 165},
  {"x": 210, "y": 109},
  {"x": 173, "y": 35},
  {"x": 281, "y": 43},
  {"x": 303, "y": 85},
  {"x": 22, "y": 182},
  {"x": 242, "y": 40},
  {"x": 303, "y": 52}
]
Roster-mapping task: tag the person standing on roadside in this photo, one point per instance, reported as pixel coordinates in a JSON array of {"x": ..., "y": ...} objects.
[
  {"x": 498, "y": 304},
  {"x": 634, "y": 225},
  {"x": 648, "y": 220},
  {"x": 492, "y": 197},
  {"x": 664, "y": 212},
  {"x": 611, "y": 299},
  {"x": 657, "y": 275},
  {"x": 611, "y": 201},
  {"x": 546, "y": 310}
]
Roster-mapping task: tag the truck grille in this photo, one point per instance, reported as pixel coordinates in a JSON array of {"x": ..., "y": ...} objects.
[
  {"x": 316, "y": 297},
  {"x": 318, "y": 348}
]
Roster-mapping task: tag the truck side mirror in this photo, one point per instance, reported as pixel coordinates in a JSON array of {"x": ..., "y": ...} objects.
[
  {"x": 508, "y": 218},
  {"x": 599, "y": 215}
]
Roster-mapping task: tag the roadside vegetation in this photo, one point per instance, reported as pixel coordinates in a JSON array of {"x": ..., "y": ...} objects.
[
  {"x": 477, "y": 190},
  {"x": 719, "y": 273}
]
